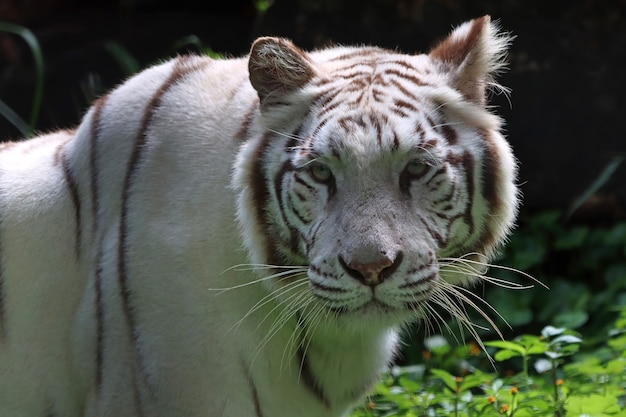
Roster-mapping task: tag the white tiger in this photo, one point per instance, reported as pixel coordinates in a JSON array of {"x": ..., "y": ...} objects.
[{"x": 244, "y": 237}]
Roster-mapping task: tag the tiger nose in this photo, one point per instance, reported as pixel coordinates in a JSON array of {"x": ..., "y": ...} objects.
[{"x": 372, "y": 273}]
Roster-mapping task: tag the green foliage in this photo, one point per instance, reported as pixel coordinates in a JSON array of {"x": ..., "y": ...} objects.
[
  {"x": 558, "y": 379},
  {"x": 262, "y": 5},
  {"x": 584, "y": 267}
]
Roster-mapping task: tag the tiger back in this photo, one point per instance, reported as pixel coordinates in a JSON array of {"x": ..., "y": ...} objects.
[{"x": 246, "y": 237}]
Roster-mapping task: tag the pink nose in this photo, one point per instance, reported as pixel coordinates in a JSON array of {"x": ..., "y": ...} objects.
[{"x": 372, "y": 273}]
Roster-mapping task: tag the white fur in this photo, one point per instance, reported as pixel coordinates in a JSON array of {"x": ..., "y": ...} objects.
[{"x": 205, "y": 336}]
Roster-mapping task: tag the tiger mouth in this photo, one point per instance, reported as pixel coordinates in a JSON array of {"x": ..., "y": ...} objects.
[
  {"x": 377, "y": 306},
  {"x": 421, "y": 293}
]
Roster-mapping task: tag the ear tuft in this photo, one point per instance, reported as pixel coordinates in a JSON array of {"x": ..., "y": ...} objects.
[
  {"x": 471, "y": 56},
  {"x": 278, "y": 67}
]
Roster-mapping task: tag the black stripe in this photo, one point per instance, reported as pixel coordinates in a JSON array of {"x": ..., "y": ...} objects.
[
  {"x": 449, "y": 133},
  {"x": 3, "y": 332},
  {"x": 469, "y": 242},
  {"x": 70, "y": 180},
  {"x": 99, "y": 319},
  {"x": 358, "y": 53},
  {"x": 255, "y": 395},
  {"x": 490, "y": 178},
  {"x": 49, "y": 411},
  {"x": 243, "y": 132},
  {"x": 403, "y": 104},
  {"x": 410, "y": 78},
  {"x": 308, "y": 378},
  {"x": 255, "y": 398},
  {"x": 96, "y": 119},
  {"x": 442, "y": 241},
  {"x": 294, "y": 235},
  {"x": 403, "y": 90},
  {"x": 181, "y": 69},
  {"x": 293, "y": 207},
  {"x": 137, "y": 394},
  {"x": 468, "y": 163},
  {"x": 261, "y": 195}
]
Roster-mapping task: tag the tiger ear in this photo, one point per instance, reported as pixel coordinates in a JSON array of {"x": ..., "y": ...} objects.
[
  {"x": 471, "y": 56},
  {"x": 277, "y": 67}
]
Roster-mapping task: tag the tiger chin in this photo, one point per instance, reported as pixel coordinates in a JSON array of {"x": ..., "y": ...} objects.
[{"x": 245, "y": 237}]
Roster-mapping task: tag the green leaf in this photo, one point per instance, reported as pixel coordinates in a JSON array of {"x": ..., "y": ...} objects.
[
  {"x": 447, "y": 378},
  {"x": 503, "y": 344},
  {"x": 615, "y": 276},
  {"x": 262, "y": 5},
  {"x": 566, "y": 339},
  {"x": 472, "y": 381},
  {"x": 616, "y": 236},
  {"x": 618, "y": 343},
  {"x": 550, "y": 331},
  {"x": 543, "y": 365},
  {"x": 616, "y": 367},
  {"x": 526, "y": 252},
  {"x": 571, "y": 238},
  {"x": 594, "y": 404},
  {"x": 409, "y": 385},
  {"x": 572, "y": 319},
  {"x": 505, "y": 354},
  {"x": 533, "y": 344}
]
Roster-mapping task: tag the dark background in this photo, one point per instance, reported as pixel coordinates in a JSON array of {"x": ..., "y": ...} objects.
[{"x": 567, "y": 72}]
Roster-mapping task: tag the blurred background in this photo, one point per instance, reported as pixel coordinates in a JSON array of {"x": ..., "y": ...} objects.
[{"x": 564, "y": 119}]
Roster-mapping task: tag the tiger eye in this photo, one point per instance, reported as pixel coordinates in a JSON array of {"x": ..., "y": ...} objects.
[
  {"x": 416, "y": 168},
  {"x": 320, "y": 172}
]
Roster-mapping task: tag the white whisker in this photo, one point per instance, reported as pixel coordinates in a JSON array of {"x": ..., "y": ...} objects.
[
  {"x": 287, "y": 273},
  {"x": 464, "y": 260},
  {"x": 288, "y": 311},
  {"x": 283, "y": 303}
]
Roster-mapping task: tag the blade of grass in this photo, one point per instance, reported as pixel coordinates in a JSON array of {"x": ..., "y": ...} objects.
[
  {"x": 125, "y": 60},
  {"x": 14, "y": 119},
  {"x": 602, "y": 179},
  {"x": 33, "y": 44}
]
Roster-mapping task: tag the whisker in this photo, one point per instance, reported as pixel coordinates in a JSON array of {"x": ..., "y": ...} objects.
[
  {"x": 464, "y": 259},
  {"x": 274, "y": 296},
  {"x": 459, "y": 293},
  {"x": 439, "y": 320},
  {"x": 509, "y": 285},
  {"x": 252, "y": 267},
  {"x": 314, "y": 319},
  {"x": 287, "y": 273},
  {"x": 286, "y": 314},
  {"x": 457, "y": 269},
  {"x": 446, "y": 302}
]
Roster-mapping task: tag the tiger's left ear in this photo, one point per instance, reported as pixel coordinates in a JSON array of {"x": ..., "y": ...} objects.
[
  {"x": 471, "y": 56},
  {"x": 277, "y": 67}
]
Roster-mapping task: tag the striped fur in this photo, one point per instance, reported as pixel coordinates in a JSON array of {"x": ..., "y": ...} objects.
[{"x": 245, "y": 237}]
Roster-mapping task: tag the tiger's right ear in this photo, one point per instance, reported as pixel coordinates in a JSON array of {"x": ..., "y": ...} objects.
[{"x": 277, "y": 67}]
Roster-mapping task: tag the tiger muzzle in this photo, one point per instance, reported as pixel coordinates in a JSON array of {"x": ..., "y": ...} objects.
[{"x": 373, "y": 272}]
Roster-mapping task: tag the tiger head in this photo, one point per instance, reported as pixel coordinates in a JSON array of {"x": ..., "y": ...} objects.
[{"x": 380, "y": 181}]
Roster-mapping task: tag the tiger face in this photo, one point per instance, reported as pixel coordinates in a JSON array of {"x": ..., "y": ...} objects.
[{"x": 391, "y": 187}]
